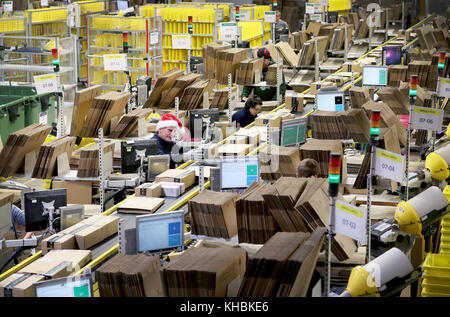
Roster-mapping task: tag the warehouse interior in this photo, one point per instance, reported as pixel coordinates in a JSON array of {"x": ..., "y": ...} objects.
[{"x": 209, "y": 149}]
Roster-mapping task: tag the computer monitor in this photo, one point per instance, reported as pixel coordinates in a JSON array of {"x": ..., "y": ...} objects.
[
  {"x": 239, "y": 172},
  {"x": 330, "y": 100},
  {"x": 72, "y": 286},
  {"x": 162, "y": 232},
  {"x": 35, "y": 203},
  {"x": 131, "y": 151},
  {"x": 375, "y": 76},
  {"x": 197, "y": 125},
  {"x": 293, "y": 131},
  {"x": 122, "y": 5},
  {"x": 392, "y": 55},
  {"x": 71, "y": 215},
  {"x": 157, "y": 164}
]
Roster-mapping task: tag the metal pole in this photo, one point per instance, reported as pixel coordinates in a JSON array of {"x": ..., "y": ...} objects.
[
  {"x": 328, "y": 250},
  {"x": 403, "y": 17},
  {"x": 370, "y": 37},
  {"x": 101, "y": 178},
  {"x": 346, "y": 44},
  {"x": 273, "y": 33},
  {"x": 119, "y": 235},
  {"x": 386, "y": 36},
  {"x": 229, "y": 99},
  {"x": 200, "y": 177},
  {"x": 177, "y": 106},
  {"x": 278, "y": 79},
  {"x": 189, "y": 55},
  {"x": 369, "y": 189},
  {"x": 316, "y": 61},
  {"x": 304, "y": 23},
  {"x": 408, "y": 141}
]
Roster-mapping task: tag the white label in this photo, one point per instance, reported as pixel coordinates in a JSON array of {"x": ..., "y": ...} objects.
[
  {"x": 389, "y": 165},
  {"x": 324, "y": 3},
  {"x": 270, "y": 17},
  {"x": 7, "y": 6},
  {"x": 154, "y": 38},
  {"x": 427, "y": 118},
  {"x": 181, "y": 41},
  {"x": 444, "y": 87},
  {"x": 245, "y": 15},
  {"x": 46, "y": 83},
  {"x": 114, "y": 62},
  {"x": 219, "y": 14},
  {"x": 316, "y": 17},
  {"x": 44, "y": 3},
  {"x": 350, "y": 221},
  {"x": 43, "y": 117},
  {"x": 228, "y": 31},
  {"x": 310, "y": 8}
]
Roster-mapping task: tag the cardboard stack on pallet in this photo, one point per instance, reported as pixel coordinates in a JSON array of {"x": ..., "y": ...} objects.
[
  {"x": 210, "y": 59},
  {"x": 288, "y": 54},
  {"x": 88, "y": 165},
  {"x": 299, "y": 38},
  {"x": 279, "y": 161},
  {"x": 228, "y": 62},
  {"x": 216, "y": 268},
  {"x": 164, "y": 82},
  {"x": 48, "y": 156},
  {"x": 19, "y": 144},
  {"x": 397, "y": 74},
  {"x": 177, "y": 89},
  {"x": 320, "y": 150},
  {"x": 194, "y": 94},
  {"x": 129, "y": 123},
  {"x": 358, "y": 96},
  {"x": 395, "y": 100},
  {"x": 130, "y": 276},
  {"x": 284, "y": 266},
  {"x": 214, "y": 214},
  {"x": 421, "y": 69},
  {"x": 248, "y": 71},
  {"x": 104, "y": 108},
  {"x": 81, "y": 105}
]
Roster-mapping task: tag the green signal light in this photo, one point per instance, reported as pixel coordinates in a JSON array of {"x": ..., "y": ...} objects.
[
  {"x": 413, "y": 92},
  {"x": 334, "y": 178},
  {"x": 441, "y": 65},
  {"x": 374, "y": 131}
]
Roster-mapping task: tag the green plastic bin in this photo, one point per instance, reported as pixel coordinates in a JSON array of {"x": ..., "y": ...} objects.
[{"x": 21, "y": 107}]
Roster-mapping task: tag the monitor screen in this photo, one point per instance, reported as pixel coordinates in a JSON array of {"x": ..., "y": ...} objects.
[
  {"x": 393, "y": 55},
  {"x": 76, "y": 286},
  {"x": 330, "y": 101},
  {"x": 293, "y": 131},
  {"x": 132, "y": 150},
  {"x": 122, "y": 5},
  {"x": 197, "y": 126},
  {"x": 157, "y": 164},
  {"x": 71, "y": 215},
  {"x": 375, "y": 76},
  {"x": 160, "y": 232},
  {"x": 35, "y": 204},
  {"x": 239, "y": 172}
]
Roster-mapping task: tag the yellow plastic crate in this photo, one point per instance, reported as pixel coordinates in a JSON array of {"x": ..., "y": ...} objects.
[
  {"x": 437, "y": 288},
  {"x": 437, "y": 265},
  {"x": 428, "y": 293}
]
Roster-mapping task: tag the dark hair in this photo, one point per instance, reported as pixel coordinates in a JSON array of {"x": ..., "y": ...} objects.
[
  {"x": 308, "y": 168},
  {"x": 263, "y": 52},
  {"x": 253, "y": 102}
]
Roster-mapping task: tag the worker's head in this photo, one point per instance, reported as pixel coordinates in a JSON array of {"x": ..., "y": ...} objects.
[
  {"x": 308, "y": 168},
  {"x": 264, "y": 53},
  {"x": 278, "y": 16},
  {"x": 168, "y": 126},
  {"x": 254, "y": 105}
]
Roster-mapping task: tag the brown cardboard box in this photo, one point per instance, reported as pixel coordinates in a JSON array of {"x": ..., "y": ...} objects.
[
  {"x": 78, "y": 192},
  {"x": 19, "y": 285},
  {"x": 148, "y": 190},
  {"x": 314, "y": 28},
  {"x": 141, "y": 205},
  {"x": 59, "y": 263},
  {"x": 100, "y": 227},
  {"x": 234, "y": 149},
  {"x": 177, "y": 176},
  {"x": 251, "y": 135},
  {"x": 322, "y": 84},
  {"x": 82, "y": 235}
]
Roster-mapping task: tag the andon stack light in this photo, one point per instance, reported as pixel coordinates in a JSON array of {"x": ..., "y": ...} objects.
[
  {"x": 275, "y": 4},
  {"x": 55, "y": 59},
  {"x": 334, "y": 174},
  {"x": 375, "y": 124},
  {"x": 413, "y": 85},
  {"x": 237, "y": 14},
  {"x": 125, "y": 42},
  {"x": 441, "y": 63},
  {"x": 190, "y": 25}
]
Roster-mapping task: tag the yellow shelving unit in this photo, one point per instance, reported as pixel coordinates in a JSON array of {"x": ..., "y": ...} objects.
[
  {"x": 85, "y": 8},
  {"x": 144, "y": 56}
]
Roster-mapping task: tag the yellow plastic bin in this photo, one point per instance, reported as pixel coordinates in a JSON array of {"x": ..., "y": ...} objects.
[{"x": 437, "y": 265}]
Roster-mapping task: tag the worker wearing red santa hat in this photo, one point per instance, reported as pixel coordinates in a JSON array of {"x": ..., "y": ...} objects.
[{"x": 167, "y": 128}]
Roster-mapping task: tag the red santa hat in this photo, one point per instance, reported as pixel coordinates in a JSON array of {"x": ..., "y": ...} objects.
[{"x": 170, "y": 120}]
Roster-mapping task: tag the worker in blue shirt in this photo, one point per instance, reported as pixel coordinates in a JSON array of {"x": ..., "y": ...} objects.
[
  {"x": 18, "y": 216},
  {"x": 248, "y": 114}
]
